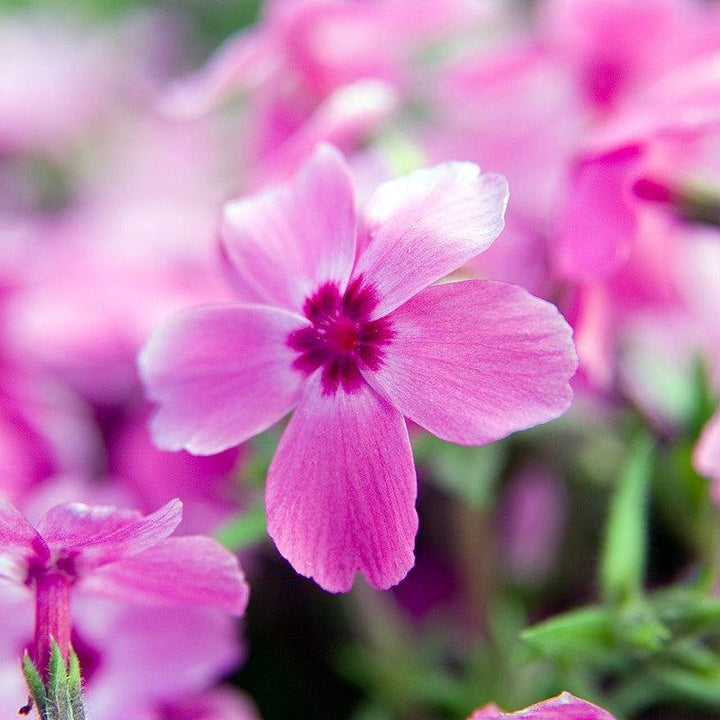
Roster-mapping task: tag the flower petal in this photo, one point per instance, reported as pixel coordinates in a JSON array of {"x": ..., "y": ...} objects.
[
  {"x": 562, "y": 707},
  {"x": 16, "y": 533},
  {"x": 599, "y": 221},
  {"x": 474, "y": 361},
  {"x": 341, "y": 490},
  {"x": 220, "y": 375},
  {"x": 706, "y": 456},
  {"x": 344, "y": 117},
  {"x": 100, "y": 534},
  {"x": 427, "y": 224},
  {"x": 241, "y": 59},
  {"x": 180, "y": 570},
  {"x": 286, "y": 241}
]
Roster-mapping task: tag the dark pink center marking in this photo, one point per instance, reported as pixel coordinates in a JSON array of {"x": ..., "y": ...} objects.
[{"x": 343, "y": 339}]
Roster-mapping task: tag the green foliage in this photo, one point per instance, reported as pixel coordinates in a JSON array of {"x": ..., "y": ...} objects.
[
  {"x": 35, "y": 684},
  {"x": 584, "y": 636},
  {"x": 60, "y": 698},
  {"x": 624, "y": 554},
  {"x": 245, "y": 530},
  {"x": 471, "y": 473}
]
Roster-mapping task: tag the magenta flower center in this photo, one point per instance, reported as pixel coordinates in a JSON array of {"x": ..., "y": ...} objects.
[{"x": 342, "y": 340}]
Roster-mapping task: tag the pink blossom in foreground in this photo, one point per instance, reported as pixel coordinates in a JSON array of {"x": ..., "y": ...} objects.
[
  {"x": 338, "y": 316},
  {"x": 119, "y": 553},
  {"x": 117, "y": 644},
  {"x": 562, "y": 707}
]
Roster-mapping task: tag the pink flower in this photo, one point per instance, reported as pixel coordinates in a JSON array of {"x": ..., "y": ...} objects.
[
  {"x": 562, "y": 707},
  {"x": 318, "y": 70},
  {"x": 116, "y": 643},
  {"x": 119, "y": 553},
  {"x": 338, "y": 317}
]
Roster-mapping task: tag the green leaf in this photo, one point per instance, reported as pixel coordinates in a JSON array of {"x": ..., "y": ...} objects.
[
  {"x": 59, "y": 706},
  {"x": 245, "y": 530},
  {"x": 639, "y": 630},
  {"x": 75, "y": 687},
  {"x": 687, "y": 612},
  {"x": 584, "y": 635},
  {"x": 469, "y": 472},
  {"x": 35, "y": 684},
  {"x": 57, "y": 671},
  {"x": 624, "y": 554},
  {"x": 693, "y": 676}
]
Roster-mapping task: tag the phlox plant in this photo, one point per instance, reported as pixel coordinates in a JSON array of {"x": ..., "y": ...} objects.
[{"x": 402, "y": 313}]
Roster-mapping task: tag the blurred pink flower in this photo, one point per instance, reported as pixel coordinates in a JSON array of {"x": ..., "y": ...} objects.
[
  {"x": 612, "y": 46},
  {"x": 44, "y": 428},
  {"x": 152, "y": 476},
  {"x": 598, "y": 134},
  {"x": 136, "y": 245},
  {"x": 321, "y": 70},
  {"x": 532, "y": 520},
  {"x": 562, "y": 707},
  {"x": 338, "y": 317},
  {"x": 55, "y": 80},
  {"x": 119, "y": 553}
]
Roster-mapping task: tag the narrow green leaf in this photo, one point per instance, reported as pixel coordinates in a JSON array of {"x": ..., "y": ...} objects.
[
  {"x": 59, "y": 706},
  {"x": 35, "y": 684},
  {"x": 57, "y": 672},
  {"x": 687, "y": 612},
  {"x": 624, "y": 554},
  {"x": 697, "y": 681},
  {"x": 639, "y": 630},
  {"x": 75, "y": 687},
  {"x": 584, "y": 635}
]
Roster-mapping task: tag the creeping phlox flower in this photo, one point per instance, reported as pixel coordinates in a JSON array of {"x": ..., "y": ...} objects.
[
  {"x": 339, "y": 319},
  {"x": 562, "y": 707},
  {"x": 116, "y": 553}
]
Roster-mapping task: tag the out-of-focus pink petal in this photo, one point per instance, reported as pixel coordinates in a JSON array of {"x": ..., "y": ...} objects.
[
  {"x": 706, "y": 456},
  {"x": 205, "y": 483},
  {"x": 16, "y": 533},
  {"x": 612, "y": 45},
  {"x": 562, "y": 707},
  {"x": 594, "y": 323},
  {"x": 220, "y": 375},
  {"x": 474, "y": 361},
  {"x": 341, "y": 490},
  {"x": 598, "y": 221},
  {"x": 188, "y": 649},
  {"x": 181, "y": 570},
  {"x": 93, "y": 535},
  {"x": 285, "y": 242},
  {"x": 220, "y": 703},
  {"x": 243, "y": 59},
  {"x": 343, "y": 118},
  {"x": 425, "y": 225}
]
